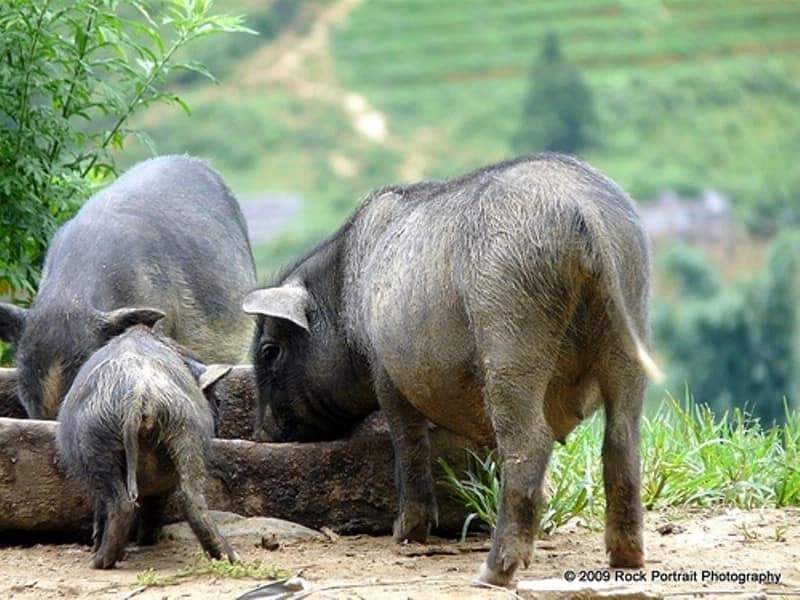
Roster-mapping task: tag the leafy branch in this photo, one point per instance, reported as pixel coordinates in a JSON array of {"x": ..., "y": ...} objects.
[{"x": 73, "y": 76}]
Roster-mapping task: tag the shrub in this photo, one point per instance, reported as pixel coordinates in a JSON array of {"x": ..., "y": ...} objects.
[
  {"x": 739, "y": 344},
  {"x": 73, "y": 73}
]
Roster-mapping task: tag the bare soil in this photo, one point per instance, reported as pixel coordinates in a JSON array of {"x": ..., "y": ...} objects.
[{"x": 682, "y": 545}]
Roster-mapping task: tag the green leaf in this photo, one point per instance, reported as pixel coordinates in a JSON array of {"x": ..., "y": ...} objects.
[{"x": 177, "y": 100}]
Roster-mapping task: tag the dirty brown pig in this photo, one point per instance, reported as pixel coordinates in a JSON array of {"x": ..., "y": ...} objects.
[
  {"x": 134, "y": 428},
  {"x": 506, "y": 305}
]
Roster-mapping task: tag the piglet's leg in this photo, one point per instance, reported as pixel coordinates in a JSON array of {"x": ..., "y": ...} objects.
[
  {"x": 192, "y": 473},
  {"x": 120, "y": 514}
]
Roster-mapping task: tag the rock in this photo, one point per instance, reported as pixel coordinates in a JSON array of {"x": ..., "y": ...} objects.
[
  {"x": 330, "y": 534},
  {"x": 232, "y": 525},
  {"x": 270, "y": 543},
  {"x": 670, "y": 529},
  {"x": 283, "y": 588},
  {"x": 346, "y": 485},
  {"x": 560, "y": 589},
  {"x": 35, "y": 493}
]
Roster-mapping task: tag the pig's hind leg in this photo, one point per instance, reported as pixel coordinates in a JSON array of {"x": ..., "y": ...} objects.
[
  {"x": 519, "y": 347},
  {"x": 192, "y": 475},
  {"x": 119, "y": 514},
  {"x": 622, "y": 382}
]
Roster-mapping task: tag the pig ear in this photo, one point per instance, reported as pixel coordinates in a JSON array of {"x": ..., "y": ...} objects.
[
  {"x": 212, "y": 374},
  {"x": 196, "y": 368},
  {"x": 12, "y": 323},
  {"x": 286, "y": 302},
  {"x": 117, "y": 321}
]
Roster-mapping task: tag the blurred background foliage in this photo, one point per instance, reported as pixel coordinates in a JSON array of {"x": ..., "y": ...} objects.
[{"x": 691, "y": 106}]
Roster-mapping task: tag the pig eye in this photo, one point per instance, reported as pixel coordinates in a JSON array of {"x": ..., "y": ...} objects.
[{"x": 270, "y": 353}]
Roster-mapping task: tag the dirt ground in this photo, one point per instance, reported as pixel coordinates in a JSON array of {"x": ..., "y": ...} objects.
[{"x": 686, "y": 545}]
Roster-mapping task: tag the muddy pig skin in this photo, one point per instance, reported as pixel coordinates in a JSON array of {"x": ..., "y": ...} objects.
[
  {"x": 506, "y": 305},
  {"x": 136, "y": 427},
  {"x": 167, "y": 235}
]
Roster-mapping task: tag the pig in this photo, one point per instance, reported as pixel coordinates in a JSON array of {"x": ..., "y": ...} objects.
[
  {"x": 168, "y": 234},
  {"x": 135, "y": 427},
  {"x": 506, "y": 306},
  {"x": 9, "y": 403}
]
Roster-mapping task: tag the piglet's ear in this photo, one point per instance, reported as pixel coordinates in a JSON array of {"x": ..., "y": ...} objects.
[
  {"x": 212, "y": 374},
  {"x": 117, "y": 321},
  {"x": 288, "y": 302},
  {"x": 12, "y": 323}
]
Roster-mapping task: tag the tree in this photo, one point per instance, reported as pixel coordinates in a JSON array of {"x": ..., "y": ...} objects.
[
  {"x": 690, "y": 270},
  {"x": 72, "y": 75},
  {"x": 736, "y": 345},
  {"x": 775, "y": 300},
  {"x": 558, "y": 111}
]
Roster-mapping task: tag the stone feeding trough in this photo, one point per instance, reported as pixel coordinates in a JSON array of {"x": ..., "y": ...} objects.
[{"x": 346, "y": 485}]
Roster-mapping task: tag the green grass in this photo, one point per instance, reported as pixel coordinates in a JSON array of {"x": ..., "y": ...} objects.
[
  {"x": 693, "y": 458},
  {"x": 480, "y": 488},
  {"x": 209, "y": 566},
  {"x": 690, "y": 458},
  {"x": 439, "y": 39}
]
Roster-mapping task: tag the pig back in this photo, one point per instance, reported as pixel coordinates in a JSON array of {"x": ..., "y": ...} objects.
[
  {"x": 167, "y": 234},
  {"x": 438, "y": 271}
]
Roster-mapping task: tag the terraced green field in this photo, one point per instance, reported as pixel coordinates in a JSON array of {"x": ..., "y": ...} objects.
[
  {"x": 688, "y": 93},
  {"x": 399, "y": 43}
]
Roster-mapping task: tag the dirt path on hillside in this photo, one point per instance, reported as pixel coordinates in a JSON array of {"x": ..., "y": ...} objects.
[
  {"x": 285, "y": 59},
  {"x": 302, "y": 64},
  {"x": 727, "y": 544}
]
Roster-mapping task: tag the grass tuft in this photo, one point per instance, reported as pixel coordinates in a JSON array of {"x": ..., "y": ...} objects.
[
  {"x": 479, "y": 491},
  {"x": 210, "y": 566},
  {"x": 690, "y": 458}
]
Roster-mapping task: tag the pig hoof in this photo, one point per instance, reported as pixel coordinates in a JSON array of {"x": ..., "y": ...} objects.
[
  {"x": 626, "y": 558},
  {"x": 101, "y": 562},
  {"x": 504, "y": 560},
  {"x": 416, "y": 533},
  {"x": 233, "y": 556},
  {"x": 625, "y": 547},
  {"x": 413, "y": 524},
  {"x": 494, "y": 577}
]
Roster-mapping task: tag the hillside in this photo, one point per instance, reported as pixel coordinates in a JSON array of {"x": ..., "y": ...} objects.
[{"x": 338, "y": 97}]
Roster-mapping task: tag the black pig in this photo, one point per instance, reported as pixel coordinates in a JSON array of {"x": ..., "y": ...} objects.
[{"x": 167, "y": 234}]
